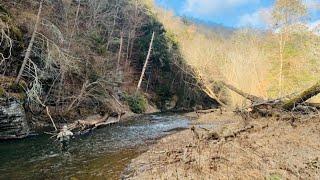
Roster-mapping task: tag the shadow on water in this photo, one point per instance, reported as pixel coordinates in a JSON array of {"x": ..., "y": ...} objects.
[{"x": 101, "y": 155}]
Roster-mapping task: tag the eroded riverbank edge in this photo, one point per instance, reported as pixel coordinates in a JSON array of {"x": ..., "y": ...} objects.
[{"x": 264, "y": 148}]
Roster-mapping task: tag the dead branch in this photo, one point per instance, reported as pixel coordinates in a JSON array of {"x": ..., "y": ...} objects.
[
  {"x": 83, "y": 126},
  {"x": 250, "y": 97},
  {"x": 48, "y": 113},
  {"x": 6, "y": 41},
  {"x": 82, "y": 94},
  {"x": 28, "y": 52},
  {"x": 200, "y": 84}
]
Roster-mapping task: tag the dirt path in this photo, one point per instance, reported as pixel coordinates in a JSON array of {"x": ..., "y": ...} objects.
[{"x": 226, "y": 147}]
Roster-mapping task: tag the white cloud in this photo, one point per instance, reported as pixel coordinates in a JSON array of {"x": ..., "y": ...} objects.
[
  {"x": 260, "y": 18},
  {"x": 209, "y": 7},
  {"x": 314, "y": 26},
  {"x": 313, "y": 4}
]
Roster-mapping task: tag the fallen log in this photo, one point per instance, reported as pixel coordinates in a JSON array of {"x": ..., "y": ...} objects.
[
  {"x": 210, "y": 93},
  {"x": 206, "y": 111},
  {"x": 304, "y": 96},
  {"x": 80, "y": 127},
  {"x": 279, "y": 107},
  {"x": 207, "y": 134},
  {"x": 250, "y": 97},
  {"x": 202, "y": 86}
]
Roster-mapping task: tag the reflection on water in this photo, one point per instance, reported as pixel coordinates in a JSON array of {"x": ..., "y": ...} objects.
[{"x": 100, "y": 155}]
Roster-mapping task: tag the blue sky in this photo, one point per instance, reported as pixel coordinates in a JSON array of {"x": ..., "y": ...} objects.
[{"x": 232, "y": 13}]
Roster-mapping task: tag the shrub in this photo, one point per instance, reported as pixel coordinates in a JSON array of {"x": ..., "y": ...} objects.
[
  {"x": 16, "y": 88},
  {"x": 274, "y": 177},
  {"x": 137, "y": 103},
  {"x": 2, "y": 92}
]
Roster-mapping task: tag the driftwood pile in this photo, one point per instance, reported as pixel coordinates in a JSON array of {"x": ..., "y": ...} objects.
[
  {"x": 81, "y": 127},
  {"x": 290, "y": 107}
]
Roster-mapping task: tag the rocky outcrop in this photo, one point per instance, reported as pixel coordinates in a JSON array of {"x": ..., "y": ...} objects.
[{"x": 13, "y": 123}]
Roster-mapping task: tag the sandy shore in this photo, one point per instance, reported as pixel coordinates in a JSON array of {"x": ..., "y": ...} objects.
[{"x": 224, "y": 146}]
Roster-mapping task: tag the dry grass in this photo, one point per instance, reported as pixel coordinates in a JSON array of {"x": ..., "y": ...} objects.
[
  {"x": 248, "y": 59},
  {"x": 271, "y": 150}
]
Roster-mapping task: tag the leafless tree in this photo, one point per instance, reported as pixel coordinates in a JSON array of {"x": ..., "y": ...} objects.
[
  {"x": 146, "y": 62},
  {"x": 28, "y": 52}
]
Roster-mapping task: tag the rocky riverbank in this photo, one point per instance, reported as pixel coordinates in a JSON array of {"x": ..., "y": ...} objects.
[
  {"x": 224, "y": 146},
  {"x": 13, "y": 122}
]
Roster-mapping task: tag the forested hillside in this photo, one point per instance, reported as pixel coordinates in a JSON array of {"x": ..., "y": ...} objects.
[
  {"x": 254, "y": 60},
  {"x": 72, "y": 59},
  {"x": 159, "y": 89}
]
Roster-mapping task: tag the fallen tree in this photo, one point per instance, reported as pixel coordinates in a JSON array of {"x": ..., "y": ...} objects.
[
  {"x": 243, "y": 94},
  {"x": 277, "y": 107},
  {"x": 303, "y": 97},
  {"x": 80, "y": 127}
]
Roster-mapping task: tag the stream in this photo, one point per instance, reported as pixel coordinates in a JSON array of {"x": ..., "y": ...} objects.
[{"x": 102, "y": 154}]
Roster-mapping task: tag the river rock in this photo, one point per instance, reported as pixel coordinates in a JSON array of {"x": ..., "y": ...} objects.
[{"x": 13, "y": 122}]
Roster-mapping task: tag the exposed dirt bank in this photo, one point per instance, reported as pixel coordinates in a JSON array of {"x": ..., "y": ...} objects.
[{"x": 224, "y": 146}]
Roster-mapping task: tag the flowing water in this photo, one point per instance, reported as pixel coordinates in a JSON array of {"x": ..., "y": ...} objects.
[{"x": 103, "y": 154}]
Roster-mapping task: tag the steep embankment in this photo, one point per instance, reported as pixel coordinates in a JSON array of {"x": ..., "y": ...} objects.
[{"x": 85, "y": 58}]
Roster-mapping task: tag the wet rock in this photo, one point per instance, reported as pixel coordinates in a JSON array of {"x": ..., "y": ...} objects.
[{"x": 13, "y": 123}]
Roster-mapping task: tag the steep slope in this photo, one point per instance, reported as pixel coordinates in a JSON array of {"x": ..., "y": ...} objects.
[{"x": 87, "y": 57}]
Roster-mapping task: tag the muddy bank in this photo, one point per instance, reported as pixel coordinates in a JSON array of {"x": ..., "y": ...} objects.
[{"x": 254, "y": 149}]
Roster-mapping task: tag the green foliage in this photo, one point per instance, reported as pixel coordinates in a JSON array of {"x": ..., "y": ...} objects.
[
  {"x": 6, "y": 17},
  {"x": 165, "y": 53},
  {"x": 291, "y": 50},
  {"x": 4, "y": 11},
  {"x": 16, "y": 88},
  {"x": 2, "y": 92},
  {"x": 164, "y": 94},
  {"x": 300, "y": 64},
  {"x": 161, "y": 51},
  {"x": 137, "y": 103},
  {"x": 274, "y": 177},
  {"x": 98, "y": 43},
  {"x": 171, "y": 37}
]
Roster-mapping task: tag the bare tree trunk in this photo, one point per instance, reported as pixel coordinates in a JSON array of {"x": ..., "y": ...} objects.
[
  {"x": 48, "y": 113},
  {"x": 128, "y": 49},
  {"x": 281, "y": 49},
  {"x": 75, "y": 26},
  {"x": 120, "y": 52},
  {"x": 289, "y": 104},
  {"x": 211, "y": 94},
  {"x": 112, "y": 29},
  {"x": 131, "y": 47},
  {"x": 82, "y": 92},
  {"x": 243, "y": 94},
  {"x": 28, "y": 52},
  {"x": 133, "y": 33},
  {"x": 146, "y": 63},
  {"x": 304, "y": 96}
]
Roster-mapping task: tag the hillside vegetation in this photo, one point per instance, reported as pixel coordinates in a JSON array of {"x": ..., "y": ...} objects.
[
  {"x": 249, "y": 58},
  {"x": 80, "y": 58}
]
